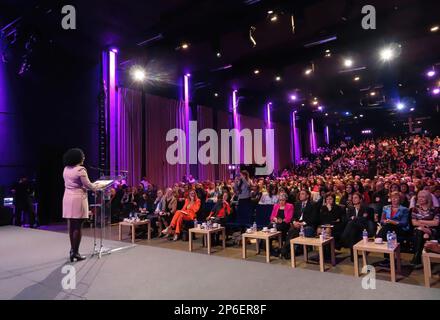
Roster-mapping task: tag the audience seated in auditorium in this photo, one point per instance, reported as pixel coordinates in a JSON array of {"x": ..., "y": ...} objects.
[
  {"x": 359, "y": 218},
  {"x": 221, "y": 209},
  {"x": 425, "y": 220},
  {"x": 332, "y": 214},
  {"x": 187, "y": 213},
  {"x": 304, "y": 216}
]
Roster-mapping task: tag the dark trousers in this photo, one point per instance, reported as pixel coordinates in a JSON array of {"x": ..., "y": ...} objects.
[
  {"x": 384, "y": 230},
  {"x": 419, "y": 243},
  {"x": 153, "y": 222},
  {"x": 352, "y": 233},
  {"x": 27, "y": 209},
  {"x": 283, "y": 227},
  {"x": 389, "y": 227},
  {"x": 294, "y": 233}
]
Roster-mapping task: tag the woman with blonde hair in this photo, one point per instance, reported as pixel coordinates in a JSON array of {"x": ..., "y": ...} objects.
[
  {"x": 188, "y": 213},
  {"x": 425, "y": 219}
]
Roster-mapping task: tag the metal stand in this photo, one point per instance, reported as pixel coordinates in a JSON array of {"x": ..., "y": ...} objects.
[{"x": 101, "y": 197}]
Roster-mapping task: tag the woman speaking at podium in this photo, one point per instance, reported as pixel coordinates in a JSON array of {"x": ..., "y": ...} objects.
[{"x": 75, "y": 203}]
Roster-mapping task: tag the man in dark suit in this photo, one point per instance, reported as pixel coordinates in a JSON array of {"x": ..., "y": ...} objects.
[
  {"x": 304, "y": 215},
  {"x": 359, "y": 218}
]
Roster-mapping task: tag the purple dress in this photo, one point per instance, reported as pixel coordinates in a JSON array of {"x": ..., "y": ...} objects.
[{"x": 75, "y": 203}]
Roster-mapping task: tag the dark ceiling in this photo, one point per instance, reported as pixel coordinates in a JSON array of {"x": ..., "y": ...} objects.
[{"x": 148, "y": 34}]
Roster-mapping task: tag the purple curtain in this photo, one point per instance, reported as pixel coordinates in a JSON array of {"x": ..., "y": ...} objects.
[
  {"x": 129, "y": 134},
  {"x": 205, "y": 121},
  {"x": 222, "y": 123},
  {"x": 162, "y": 114}
]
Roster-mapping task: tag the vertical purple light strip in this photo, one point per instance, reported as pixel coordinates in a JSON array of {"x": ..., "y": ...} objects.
[
  {"x": 268, "y": 116},
  {"x": 114, "y": 116},
  {"x": 296, "y": 146},
  {"x": 312, "y": 137},
  {"x": 236, "y": 120},
  {"x": 327, "y": 135},
  {"x": 186, "y": 105}
]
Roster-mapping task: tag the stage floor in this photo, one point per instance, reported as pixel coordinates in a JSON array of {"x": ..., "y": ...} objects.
[{"x": 32, "y": 261}]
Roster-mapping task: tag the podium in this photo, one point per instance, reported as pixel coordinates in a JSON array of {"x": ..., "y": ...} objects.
[{"x": 102, "y": 216}]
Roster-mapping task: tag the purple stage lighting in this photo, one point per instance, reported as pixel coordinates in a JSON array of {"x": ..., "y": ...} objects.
[
  {"x": 430, "y": 73},
  {"x": 436, "y": 91},
  {"x": 293, "y": 97}
]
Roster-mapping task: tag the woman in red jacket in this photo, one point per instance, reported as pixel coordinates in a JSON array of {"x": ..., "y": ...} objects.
[{"x": 188, "y": 213}]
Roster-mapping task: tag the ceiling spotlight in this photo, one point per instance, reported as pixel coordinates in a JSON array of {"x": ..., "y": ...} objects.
[
  {"x": 327, "y": 51},
  {"x": 188, "y": 75},
  {"x": 386, "y": 54},
  {"x": 320, "y": 108},
  {"x": 278, "y": 78},
  {"x": 274, "y": 18},
  {"x": 315, "y": 103},
  {"x": 434, "y": 28},
  {"x": 270, "y": 12},
  {"x": 436, "y": 91},
  {"x": 293, "y": 97},
  {"x": 115, "y": 50},
  {"x": 400, "y": 106},
  {"x": 302, "y": 104},
  {"x": 308, "y": 71},
  {"x": 219, "y": 55},
  {"x": 430, "y": 73},
  {"x": 326, "y": 114},
  {"x": 347, "y": 113},
  {"x": 361, "y": 115},
  {"x": 400, "y": 84},
  {"x": 328, "y": 55},
  {"x": 216, "y": 94},
  {"x": 357, "y": 78},
  {"x": 138, "y": 74},
  {"x": 348, "y": 63},
  {"x": 355, "y": 117},
  {"x": 256, "y": 71},
  {"x": 184, "y": 45},
  {"x": 412, "y": 109},
  {"x": 372, "y": 93}
]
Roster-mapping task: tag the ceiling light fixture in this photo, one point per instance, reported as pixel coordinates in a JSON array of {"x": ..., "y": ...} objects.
[{"x": 348, "y": 63}]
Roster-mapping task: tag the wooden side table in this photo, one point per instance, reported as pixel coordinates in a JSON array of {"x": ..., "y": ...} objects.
[
  {"x": 133, "y": 226},
  {"x": 207, "y": 233},
  {"x": 260, "y": 235},
  {"x": 315, "y": 242},
  {"x": 371, "y": 246},
  {"x": 428, "y": 258}
]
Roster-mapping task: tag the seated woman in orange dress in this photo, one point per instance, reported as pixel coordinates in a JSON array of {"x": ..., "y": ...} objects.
[{"x": 188, "y": 213}]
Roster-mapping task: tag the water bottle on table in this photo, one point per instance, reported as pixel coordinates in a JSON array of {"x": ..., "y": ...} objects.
[
  {"x": 394, "y": 239},
  {"x": 389, "y": 240},
  {"x": 301, "y": 232},
  {"x": 365, "y": 236},
  {"x": 254, "y": 227}
]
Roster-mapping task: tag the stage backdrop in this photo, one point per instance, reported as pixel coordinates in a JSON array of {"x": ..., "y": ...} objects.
[{"x": 148, "y": 125}]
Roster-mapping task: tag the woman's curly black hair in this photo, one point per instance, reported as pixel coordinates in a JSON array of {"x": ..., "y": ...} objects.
[{"x": 73, "y": 157}]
